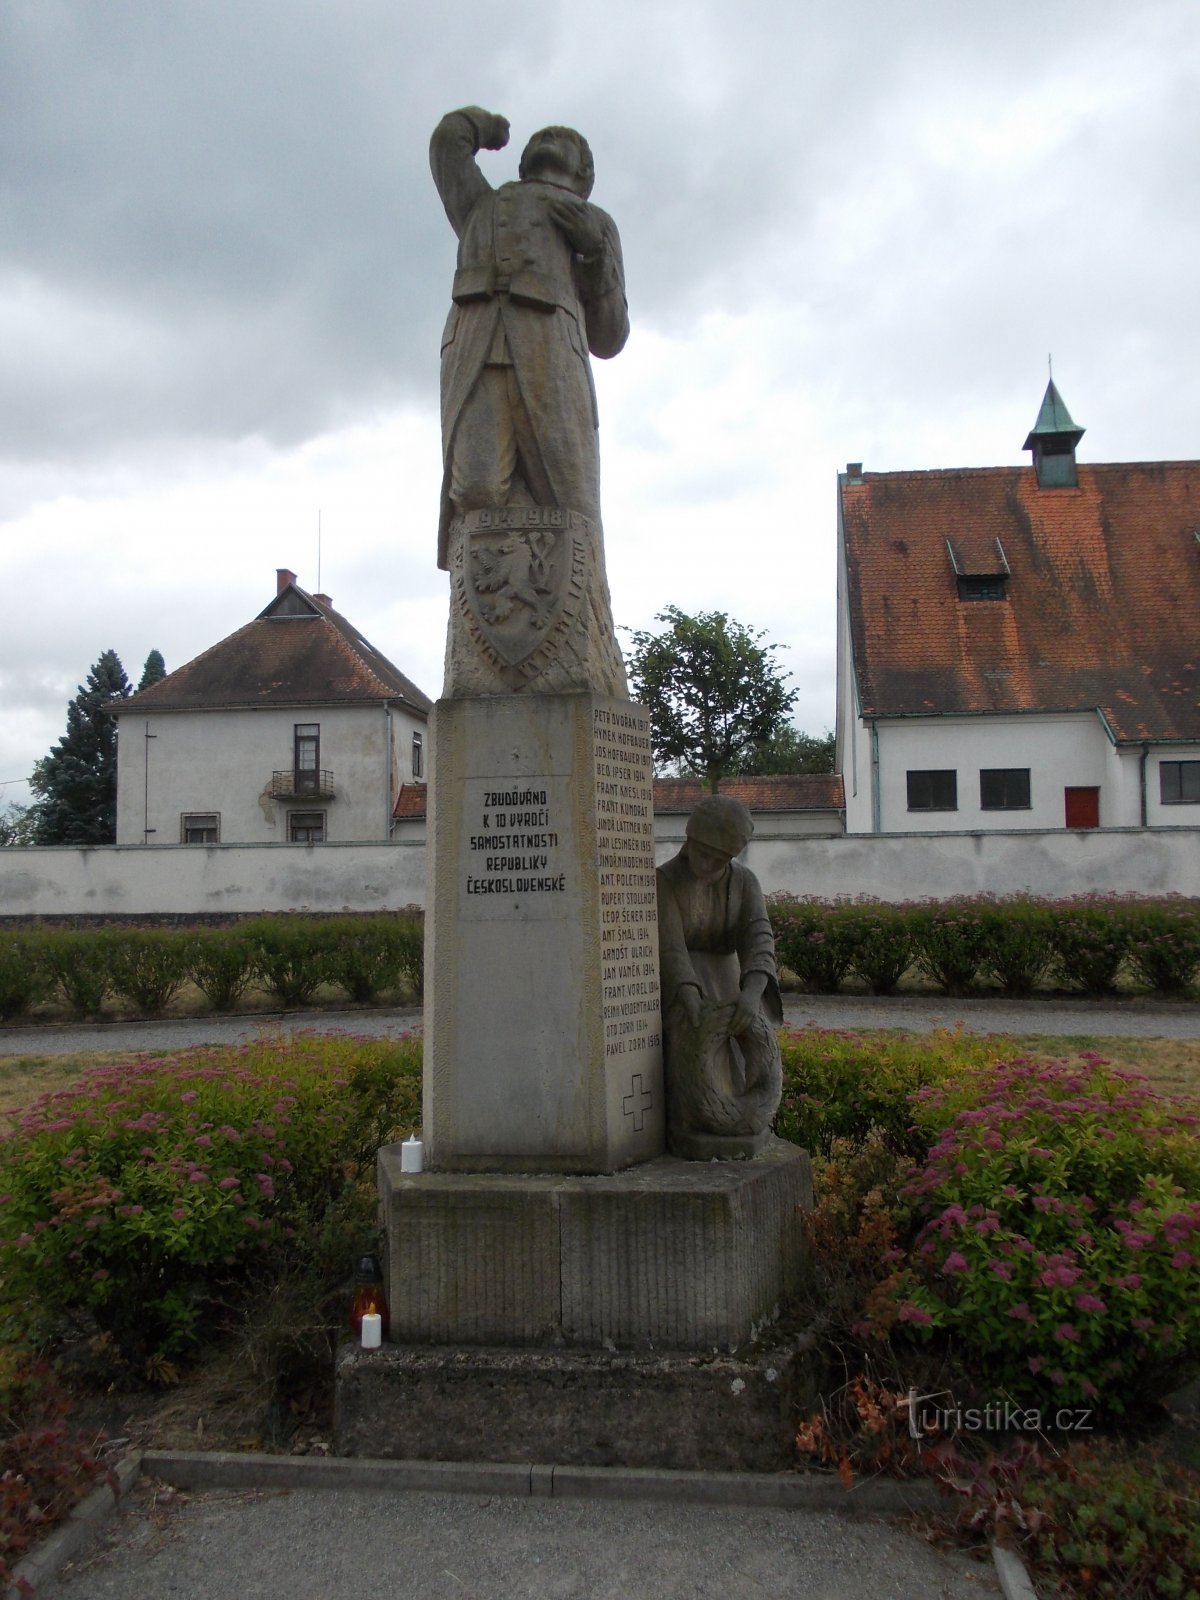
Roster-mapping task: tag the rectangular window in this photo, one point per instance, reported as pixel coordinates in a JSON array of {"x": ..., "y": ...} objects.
[
  {"x": 306, "y": 827},
  {"x": 200, "y": 827},
  {"x": 991, "y": 588},
  {"x": 1004, "y": 788},
  {"x": 933, "y": 791},
  {"x": 418, "y": 766},
  {"x": 308, "y": 756},
  {"x": 1179, "y": 782}
]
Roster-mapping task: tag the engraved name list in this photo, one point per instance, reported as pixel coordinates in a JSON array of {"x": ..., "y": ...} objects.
[{"x": 625, "y": 859}]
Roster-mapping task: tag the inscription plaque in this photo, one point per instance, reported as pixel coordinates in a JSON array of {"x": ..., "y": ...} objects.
[{"x": 543, "y": 1041}]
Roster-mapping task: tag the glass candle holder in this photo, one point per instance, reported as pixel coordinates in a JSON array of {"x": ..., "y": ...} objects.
[{"x": 368, "y": 1295}]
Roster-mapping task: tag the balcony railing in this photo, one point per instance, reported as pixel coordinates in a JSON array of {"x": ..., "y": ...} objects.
[{"x": 301, "y": 785}]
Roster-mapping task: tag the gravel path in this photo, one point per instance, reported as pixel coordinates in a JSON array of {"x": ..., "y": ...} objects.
[
  {"x": 1127, "y": 1019},
  {"x": 311, "y": 1545},
  {"x": 1117, "y": 1019}
]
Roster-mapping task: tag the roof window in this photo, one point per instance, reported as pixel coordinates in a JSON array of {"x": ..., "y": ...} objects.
[
  {"x": 980, "y": 567},
  {"x": 977, "y": 588}
]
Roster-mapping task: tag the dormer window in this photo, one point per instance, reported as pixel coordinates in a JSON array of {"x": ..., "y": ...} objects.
[
  {"x": 980, "y": 567},
  {"x": 980, "y": 588}
]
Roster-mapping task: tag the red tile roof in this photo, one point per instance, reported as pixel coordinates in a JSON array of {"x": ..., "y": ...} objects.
[
  {"x": 299, "y": 651},
  {"x": 1103, "y": 597},
  {"x": 798, "y": 791},
  {"x": 410, "y": 802},
  {"x": 794, "y": 792}
]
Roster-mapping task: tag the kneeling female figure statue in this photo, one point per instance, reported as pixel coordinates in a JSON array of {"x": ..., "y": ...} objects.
[{"x": 720, "y": 991}]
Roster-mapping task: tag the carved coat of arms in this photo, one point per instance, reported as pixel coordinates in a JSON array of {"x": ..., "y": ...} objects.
[{"x": 518, "y": 577}]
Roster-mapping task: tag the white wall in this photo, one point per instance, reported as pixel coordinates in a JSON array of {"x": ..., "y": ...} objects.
[
  {"x": 853, "y": 758},
  {"x": 1058, "y": 750},
  {"x": 181, "y": 879},
  {"x": 1050, "y": 865},
  {"x": 119, "y": 880},
  {"x": 1061, "y": 750},
  {"x": 222, "y": 762}
]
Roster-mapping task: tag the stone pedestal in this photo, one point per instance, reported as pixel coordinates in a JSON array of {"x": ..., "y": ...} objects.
[
  {"x": 623, "y": 1319},
  {"x": 543, "y": 1048},
  {"x": 668, "y": 1255}
]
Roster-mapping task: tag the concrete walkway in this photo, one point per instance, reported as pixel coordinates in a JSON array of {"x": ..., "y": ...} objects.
[
  {"x": 1145, "y": 1019},
  {"x": 309, "y": 1544}
]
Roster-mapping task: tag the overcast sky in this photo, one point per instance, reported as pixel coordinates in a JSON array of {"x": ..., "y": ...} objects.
[{"x": 852, "y": 230}]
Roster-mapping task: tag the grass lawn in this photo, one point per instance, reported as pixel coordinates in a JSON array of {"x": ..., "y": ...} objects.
[
  {"x": 1172, "y": 1064},
  {"x": 24, "y": 1078}
]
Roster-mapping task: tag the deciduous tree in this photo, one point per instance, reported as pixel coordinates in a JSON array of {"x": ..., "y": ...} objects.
[
  {"x": 712, "y": 689},
  {"x": 16, "y": 825},
  {"x": 789, "y": 750}
]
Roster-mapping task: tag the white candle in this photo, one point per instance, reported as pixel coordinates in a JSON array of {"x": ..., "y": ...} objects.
[
  {"x": 412, "y": 1156},
  {"x": 372, "y": 1330}
]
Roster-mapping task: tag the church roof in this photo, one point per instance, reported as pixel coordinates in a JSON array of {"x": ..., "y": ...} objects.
[
  {"x": 1094, "y": 606},
  {"x": 298, "y": 651}
]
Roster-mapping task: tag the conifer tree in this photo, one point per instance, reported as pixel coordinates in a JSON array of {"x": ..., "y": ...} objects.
[
  {"x": 76, "y": 784},
  {"x": 154, "y": 670}
]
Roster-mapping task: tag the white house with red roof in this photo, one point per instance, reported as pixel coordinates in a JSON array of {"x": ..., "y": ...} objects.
[
  {"x": 1019, "y": 647},
  {"x": 293, "y": 730}
]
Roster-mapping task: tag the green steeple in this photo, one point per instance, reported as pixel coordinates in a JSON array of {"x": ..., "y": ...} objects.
[
  {"x": 1052, "y": 439},
  {"x": 1054, "y": 420}
]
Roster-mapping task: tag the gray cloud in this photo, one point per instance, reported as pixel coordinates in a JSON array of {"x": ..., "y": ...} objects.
[{"x": 217, "y": 225}]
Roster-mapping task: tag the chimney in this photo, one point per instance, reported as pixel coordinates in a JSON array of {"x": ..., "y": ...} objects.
[
  {"x": 282, "y": 578},
  {"x": 854, "y": 472},
  {"x": 324, "y": 599}
]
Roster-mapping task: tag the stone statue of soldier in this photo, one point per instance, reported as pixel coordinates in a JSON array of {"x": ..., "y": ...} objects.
[
  {"x": 720, "y": 990},
  {"x": 539, "y": 284}
]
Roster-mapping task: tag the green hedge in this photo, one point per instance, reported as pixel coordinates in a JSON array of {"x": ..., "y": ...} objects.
[
  {"x": 144, "y": 968},
  {"x": 1088, "y": 943}
]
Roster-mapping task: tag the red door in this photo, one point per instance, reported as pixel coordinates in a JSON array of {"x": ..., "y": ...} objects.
[{"x": 1083, "y": 808}]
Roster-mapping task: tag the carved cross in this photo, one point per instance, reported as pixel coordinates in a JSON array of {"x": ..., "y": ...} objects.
[{"x": 637, "y": 1102}]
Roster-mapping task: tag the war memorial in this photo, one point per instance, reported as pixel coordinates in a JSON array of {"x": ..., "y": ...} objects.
[{"x": 587, "y": 1267}]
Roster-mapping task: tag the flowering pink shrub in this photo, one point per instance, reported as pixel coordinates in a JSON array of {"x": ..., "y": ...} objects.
[
  {"x": 1057, "y": 1229},
  {"x": 135, "y": 1200},
  {"x": 843, "y": 1087},
  {"x": 1164, "y": 942},
  {"x": 1091, "y": 940}
]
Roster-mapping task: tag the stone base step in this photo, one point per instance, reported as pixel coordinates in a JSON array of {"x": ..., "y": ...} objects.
[{"x": 675, "y": 1410}]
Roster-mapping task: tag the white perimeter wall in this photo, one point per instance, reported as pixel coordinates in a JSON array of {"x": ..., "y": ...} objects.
[{"x": 116, "y": 880}]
